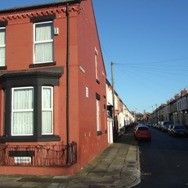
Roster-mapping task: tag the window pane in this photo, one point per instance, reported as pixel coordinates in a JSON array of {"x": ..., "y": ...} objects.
[
  {"x": 98, "y": 115},
  {"x": 46, "y": 98},
  {"x": 22, "y": 123},
  {"x": 2, "y": 37},
  {"x": 96, "y": 67},
  {"x": 2, "y": 56},
  {"x": 46, "y": 122},
  {"x": 44, "y": 32},
  {"x": 44, "y": 52},
  {"x": 23, "y": 99}
]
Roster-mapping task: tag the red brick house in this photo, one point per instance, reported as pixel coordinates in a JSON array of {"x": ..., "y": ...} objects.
[{"x": 52, "y": 89}]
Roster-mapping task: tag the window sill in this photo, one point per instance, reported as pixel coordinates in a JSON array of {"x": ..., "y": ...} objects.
[
  {"x": 42, "y": 64},
  {"x": 3, "y": 67},
  {"x": 99, "y": 133},
  {"x": 43, "y": 138}
]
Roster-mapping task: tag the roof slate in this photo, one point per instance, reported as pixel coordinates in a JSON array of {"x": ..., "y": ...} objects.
[{"x": 35, "y": 5}]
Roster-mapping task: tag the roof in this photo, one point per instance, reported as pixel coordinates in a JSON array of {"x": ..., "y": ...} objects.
[
  {"x": 43, "y": 3},
  {"x": 58, "y": 71}
]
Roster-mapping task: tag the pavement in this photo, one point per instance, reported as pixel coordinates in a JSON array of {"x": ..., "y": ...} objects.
[{"x": 118, "y": 166}]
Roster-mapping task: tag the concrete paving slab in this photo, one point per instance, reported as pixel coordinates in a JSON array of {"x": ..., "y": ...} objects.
[
  {"x": 117, "y": 166},
  {"x": 31, "y": 185},
  {"x": 53, "y": 185}
]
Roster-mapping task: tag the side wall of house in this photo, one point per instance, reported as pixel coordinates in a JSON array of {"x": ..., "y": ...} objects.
[{"x": 91, "y": 87}]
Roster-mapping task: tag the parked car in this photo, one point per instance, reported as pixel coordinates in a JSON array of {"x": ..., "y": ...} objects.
[
  {"x": 158, "y": 126},
  {"x": 149, "y": 124},
  {"x": 179, "y": 130},
  {"x": 170, "y": 128},
  {"x": 153, "y": 125},
  {"x": 166, "y": 126},
  {"x": 142, "y": 133}
]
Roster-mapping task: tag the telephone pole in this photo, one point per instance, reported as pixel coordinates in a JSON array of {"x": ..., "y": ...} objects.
[{"x": 113, "y": 101}]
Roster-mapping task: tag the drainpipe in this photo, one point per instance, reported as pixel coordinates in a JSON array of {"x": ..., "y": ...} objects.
[{"x": 67, "y": 83}]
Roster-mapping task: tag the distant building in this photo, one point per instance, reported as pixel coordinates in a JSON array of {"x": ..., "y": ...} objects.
[
  {"x": 175, "y": 110},
  {"x": 123, "y": 117}
]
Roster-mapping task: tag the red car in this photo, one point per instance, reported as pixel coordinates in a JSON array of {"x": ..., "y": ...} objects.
[{"x": 142, "y": 133}]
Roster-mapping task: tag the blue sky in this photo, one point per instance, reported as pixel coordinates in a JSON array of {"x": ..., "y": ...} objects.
[
  {"x": 149, "y": 42},
  {"x": 4, "y": 4}
]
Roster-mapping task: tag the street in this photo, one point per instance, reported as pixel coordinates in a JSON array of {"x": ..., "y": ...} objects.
[{"x": 164, "y": 161}]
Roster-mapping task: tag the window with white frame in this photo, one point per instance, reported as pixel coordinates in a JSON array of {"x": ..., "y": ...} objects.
[
  {"x": 47, "y": 110},
  {"x": 2, "y": 46},
  {"x": 22, "y": 111},
  {"x": 29, "y": 109},
  {"x": 98, "y": 115},
  {"x": 43, "y": 42},
  {"x": 96, "y": 65}
]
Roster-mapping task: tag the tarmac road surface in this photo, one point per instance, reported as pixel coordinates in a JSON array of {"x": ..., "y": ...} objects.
[{"x": 164, "y": 161}]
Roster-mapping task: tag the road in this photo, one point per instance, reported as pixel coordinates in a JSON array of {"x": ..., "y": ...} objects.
[{"x": 164, "y": 161}]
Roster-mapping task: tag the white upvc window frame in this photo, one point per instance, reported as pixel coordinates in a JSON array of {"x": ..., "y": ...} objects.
[
  {"x": 96, "y": 65},
  {"x": 4, "y": 45},
  {"x": 98, "y": 119},
  {"x": 42, "y": 42},
  {"x": 20, "y": 110},
  {"x": 49, "y": 109}
]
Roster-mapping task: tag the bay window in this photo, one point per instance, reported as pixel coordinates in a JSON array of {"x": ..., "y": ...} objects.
[
  {"x": 47, "y": 110},
  {"x": 29, "y": 105},
  {"x": 43, "y": 42},
  {"x": 22, "y": 111},
  {"x": 2, "y": 46}
]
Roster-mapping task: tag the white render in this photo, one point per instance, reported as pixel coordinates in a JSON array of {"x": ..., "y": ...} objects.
[{"x": 124, "y": 116}]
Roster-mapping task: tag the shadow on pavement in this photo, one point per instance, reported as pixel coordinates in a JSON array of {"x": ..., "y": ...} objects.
[{"x": 127, "y": 137}]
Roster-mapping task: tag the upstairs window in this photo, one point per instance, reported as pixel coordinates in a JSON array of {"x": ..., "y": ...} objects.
[
  {"x": 43, "y": 42},
  {"x": 2, "y": 46}
]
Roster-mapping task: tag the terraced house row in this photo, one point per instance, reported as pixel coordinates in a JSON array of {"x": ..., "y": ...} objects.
[
  {"x": 175, "y": 110},
  {"x": 122, "y": 116},
  {"x": 53, "y": 103}
]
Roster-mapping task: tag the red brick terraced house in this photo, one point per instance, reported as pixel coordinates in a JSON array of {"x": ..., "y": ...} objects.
[{"x": 52, "y": 89}]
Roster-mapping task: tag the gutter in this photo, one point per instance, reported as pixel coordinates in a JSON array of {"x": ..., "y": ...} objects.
[
  {"x": 67, "y": 84},
  {"x": 68, "y": 79}
]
